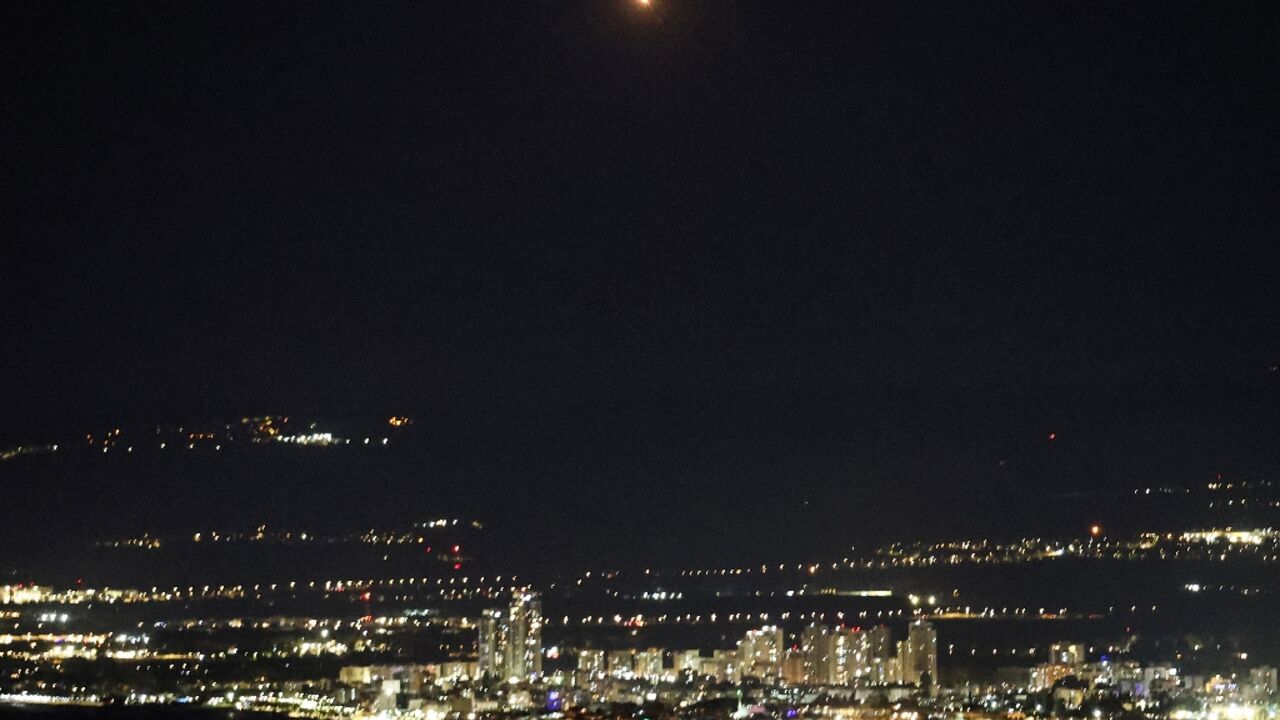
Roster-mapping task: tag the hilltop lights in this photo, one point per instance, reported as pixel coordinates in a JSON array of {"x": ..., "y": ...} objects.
[{"x": 311, "y": 439}]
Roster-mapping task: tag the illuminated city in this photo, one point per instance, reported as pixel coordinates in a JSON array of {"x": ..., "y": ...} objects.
[
  {"x": 640, "y": 360},
  {"x": 877, "y": 634}
]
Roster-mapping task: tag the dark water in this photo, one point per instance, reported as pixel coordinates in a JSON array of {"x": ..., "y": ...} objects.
[{"x": 804, "y": 478}]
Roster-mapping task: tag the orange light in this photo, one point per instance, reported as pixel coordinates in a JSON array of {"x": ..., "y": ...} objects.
[{"x": 1095, "y": 530}]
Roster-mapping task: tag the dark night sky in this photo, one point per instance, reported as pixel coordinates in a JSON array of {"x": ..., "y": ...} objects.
[{"x": 778, "y": 251}]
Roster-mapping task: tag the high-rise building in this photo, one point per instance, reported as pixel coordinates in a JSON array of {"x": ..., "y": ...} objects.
[
  {"x": 793, "y": 667},
  {"x": 524, "y": 642},
  {"x": 831, "y": 655},
  {"x": 622, "y": 663},
  {"x": 1262, "y": 682},
  {"x": 1044, "y": 677},
  {"x": 872, "y": 662},
  {"x": 817, "y": 647},
  {"x": 648, "y": 664},
  {"x": 1066, "y": 653},
  {"x": 510, "y": 642},
  {"x": 846, "y": 645},
  {"x": 687, "y": 661},
  {"x": 722, "y": 665},
  {"x": 918, "y": 658},
  {"x": 592, "y": 664},
  {"x": 491, "y": 663},
  {"x": 760, "y": 653}
]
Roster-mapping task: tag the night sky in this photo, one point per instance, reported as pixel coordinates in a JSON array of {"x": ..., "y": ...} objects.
[{"x": 758, "y": 260}]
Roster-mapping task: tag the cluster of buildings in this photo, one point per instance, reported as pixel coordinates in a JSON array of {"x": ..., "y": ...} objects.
[
  {"x": 822, "y": 656},
  {"x": 508, "y": 674},
  {"x": 26, "y": 594},
  {"x": 421, "y": 663},
  {"x": 826, "y": 668},
  {"x": 509, "y": 647},
  {"x": 1071, "y": 680},
  {"x": 22, "y": 594}
]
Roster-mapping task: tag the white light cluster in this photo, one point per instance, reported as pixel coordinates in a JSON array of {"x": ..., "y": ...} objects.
[{"x": 310, "y": 439}]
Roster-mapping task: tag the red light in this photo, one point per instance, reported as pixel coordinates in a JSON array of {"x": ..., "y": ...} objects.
[
  {"x": 366, "y": 596},
  {"x": 457, "y": 566},
  {"x": 428, "y": 549},
  {"x": 1053, "y": 436},
  {"x": 457, "y": 548}
]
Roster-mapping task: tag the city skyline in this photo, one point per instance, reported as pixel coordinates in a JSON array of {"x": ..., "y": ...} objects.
[
  {"x": 732, "y": 254},
  {"x": 640, "y": 360}
]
